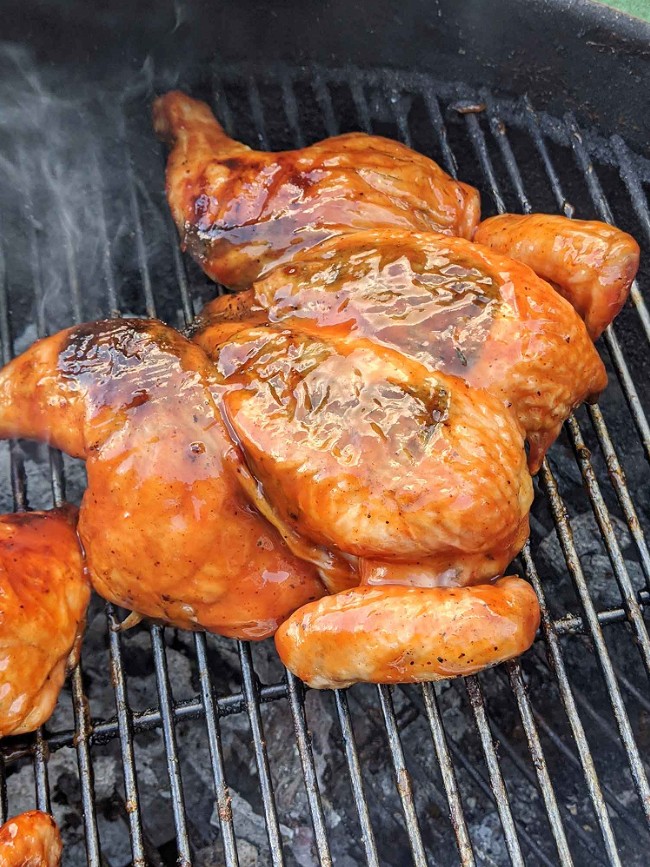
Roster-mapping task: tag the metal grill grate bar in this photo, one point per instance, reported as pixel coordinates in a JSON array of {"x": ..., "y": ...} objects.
[
  {"x": 535, "y": 746},
  {"x": 496, "y": 779},
  {"x": 448, "y": 776},
  {"x": 632, "y": 607},
  {"x": 171, "y": 749},
  {"x": 402, "y": 778},
  {"x": 297, "y": 704},
  {"x": 125, "y": 730},
  {"x": 261, "y": 755},
  {"x": 356, "y": 780},
  {"x": 557, "y": 664},
  {"x": 224, "y": 809}
]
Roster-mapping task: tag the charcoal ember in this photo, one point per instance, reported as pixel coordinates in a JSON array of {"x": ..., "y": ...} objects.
[{"x": 596, "y": 565}]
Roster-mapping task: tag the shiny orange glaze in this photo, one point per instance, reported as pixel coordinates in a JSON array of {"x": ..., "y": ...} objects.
[
  {"x": 363, "y": 450},
  {"x": 407, "y": 634},
  {"x": 168, "y": 528},
  {"x": 454, "y": 306},
  {"x": 239, "y": 211},
  {"x": 44, "y": 592},
  {"x": 590, "y": 263},
  {"x": 30, "y": 840}
]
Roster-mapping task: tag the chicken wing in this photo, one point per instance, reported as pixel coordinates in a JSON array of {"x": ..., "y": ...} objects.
[
  {"x": 591, "y": 264},
  {"x": 239, "y": 212},
  {"x": 456, "y": 307},
  {"x": 30, "y": 840},
  {"x": 44, "y": 593},
  {"x": 167, "y": 526}
]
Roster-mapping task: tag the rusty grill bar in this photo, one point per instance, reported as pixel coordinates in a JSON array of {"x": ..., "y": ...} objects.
[{"x": 583, "y": 806}]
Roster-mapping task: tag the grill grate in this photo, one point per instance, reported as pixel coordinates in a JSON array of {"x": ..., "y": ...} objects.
[{"x": 556, "y": 775}]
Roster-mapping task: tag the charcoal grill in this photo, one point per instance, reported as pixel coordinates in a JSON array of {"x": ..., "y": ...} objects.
[{"x": 174, "y": 748}]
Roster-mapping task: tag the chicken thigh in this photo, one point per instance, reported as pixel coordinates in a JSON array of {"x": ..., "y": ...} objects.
[
  {"x": 30, "y": 840},
  {"x": 44, "y": 593},
  {"x": 239, "y": 212}
]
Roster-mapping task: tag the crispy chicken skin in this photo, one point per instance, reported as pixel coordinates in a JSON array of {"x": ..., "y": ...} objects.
[
  {"x": 590, "y": 263},
  {"x": 167, "y": 528},
  {"x": 30, "y": 840},
  {"x": 456, "y": 307},
  {"x": 44, "y": 593},
  {"x": 396, "y": 634},
  {"x": 363, "y": 450},
  {"x": 239, "y": 212}
]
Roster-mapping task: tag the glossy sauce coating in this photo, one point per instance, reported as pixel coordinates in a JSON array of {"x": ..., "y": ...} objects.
[
  {"x": 167, "y": 527},
  {"x": 364, "y": 451},
  {"x": 30, "y": 840},
  {"x": 590, "y": 263},
  {"x": 44, "y": 593},
  {"x": 454, "y": 306},
  {"x": 240, "y": 212},
  {"x": 408, "y": 634}
]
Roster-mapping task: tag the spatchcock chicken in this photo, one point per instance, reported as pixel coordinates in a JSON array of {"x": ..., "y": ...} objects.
[
  {"x": 44, "y": 593},
  {"x": 30, "y": 840},
  {"x": 342, "y": 451}
]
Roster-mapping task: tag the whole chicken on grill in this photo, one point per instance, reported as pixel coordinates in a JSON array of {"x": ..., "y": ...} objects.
[
  {"x": 353, "y": 424},
  {"x": 44, "y": 593},
  {"x": 30, "y": 840}
]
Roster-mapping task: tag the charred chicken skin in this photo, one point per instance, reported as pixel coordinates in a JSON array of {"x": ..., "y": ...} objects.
[
  {"x": 30, "y": 840},
  {"x": 44, "y": 593},
  {"x": 239, "y": 212},
  {"x": 166, "y": 525}
]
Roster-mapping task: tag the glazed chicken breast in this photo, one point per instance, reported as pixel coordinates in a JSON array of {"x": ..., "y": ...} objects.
[
  {"x": 239, "y": 212},
  {"x": 30, "y": 840},
  {"x": 167, "y": 527},
  {"x": 362, "y": 450},
  {"x": 44, "y": 593}
]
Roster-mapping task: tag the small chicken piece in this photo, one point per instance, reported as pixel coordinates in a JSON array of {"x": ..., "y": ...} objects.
[
  {"x": 239, "y": 212},
  {"x": 591, "y": 264},
  {"x": 30, "y": 840},
  {"x": 166, "y": 523},
  {"x": 362, "y": 450},
  {"x": 456, "y": 307},
  {"x": 44, "y": 593},
  {"x": 395, "y": 634}
]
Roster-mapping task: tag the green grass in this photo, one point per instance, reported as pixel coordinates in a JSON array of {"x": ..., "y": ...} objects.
[{"x": 640, "y": 8}]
